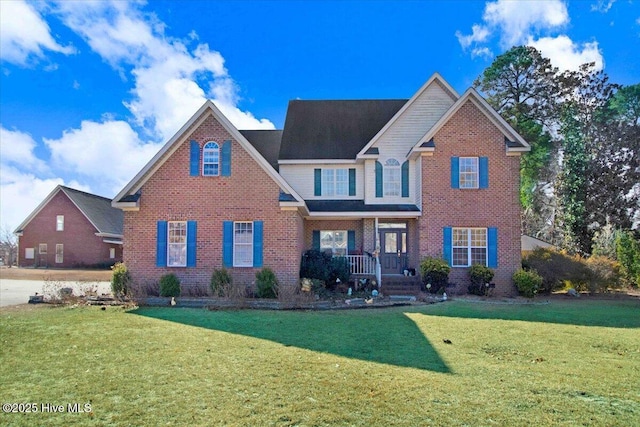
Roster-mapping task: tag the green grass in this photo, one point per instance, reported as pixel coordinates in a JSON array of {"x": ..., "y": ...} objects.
[{"x": 574, "y": 362}]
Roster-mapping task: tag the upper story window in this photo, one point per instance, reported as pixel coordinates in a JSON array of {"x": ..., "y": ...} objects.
[
  {"x": 335, "y": 182},
  {"x": 469, "y": 172},
  {"x": 211, "y": 159},
  {"x": 177, "y": 244},
  {"x": 60, "y": 223},
  {"x": 392, "y": 178}
]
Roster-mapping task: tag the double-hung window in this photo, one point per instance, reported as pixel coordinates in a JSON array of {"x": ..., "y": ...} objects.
[
  {"x": 469, "y": 172},
  {"x": 334, "y": 241},
  {"x": 211, "y": 159},
  {"x": 335, "y": 182},
  {"x": 392, "y": 179},
  {"x": 60, "y": 223},
  {"x": 243, "y": 244},
  {"x": 469, "y": 247},
  {"x": 177, "y": 244}
]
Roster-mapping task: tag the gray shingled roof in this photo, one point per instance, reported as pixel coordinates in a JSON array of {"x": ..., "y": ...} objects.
[
  {"x": 98, "y": 210},
  {"x": 267, "y": 142},
  {"x": 333, "y": 129}
]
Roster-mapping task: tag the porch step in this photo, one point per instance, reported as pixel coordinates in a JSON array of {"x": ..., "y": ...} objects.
[{"x": 401, "y": 285}]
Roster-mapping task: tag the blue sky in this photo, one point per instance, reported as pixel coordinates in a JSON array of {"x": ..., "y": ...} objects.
[{"x": 89, "y": 91}]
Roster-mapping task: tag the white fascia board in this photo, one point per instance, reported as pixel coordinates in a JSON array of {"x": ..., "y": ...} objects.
[
  {"x": 358, "y": 215},
  {"x": 202, "y": 114},
  {"x": 435, "y": 77},
  {"x": 317, "y": 161}
]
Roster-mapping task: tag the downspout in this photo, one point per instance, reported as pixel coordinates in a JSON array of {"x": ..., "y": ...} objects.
[{"x": 377, "y": 254}]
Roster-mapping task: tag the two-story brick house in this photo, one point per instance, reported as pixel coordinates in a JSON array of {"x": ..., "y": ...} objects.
[{"x": 437, "y": 174}]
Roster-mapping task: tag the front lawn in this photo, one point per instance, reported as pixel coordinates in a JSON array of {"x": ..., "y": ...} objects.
[{"x": 574, "y": 362}]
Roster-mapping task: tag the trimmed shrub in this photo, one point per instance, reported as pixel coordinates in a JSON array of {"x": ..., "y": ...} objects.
[
  {"x": 435, "y": 274},
  {"x": 221, "y": 282},
  {"x": 120, "y": 279},
  {"x": 605, "y": 274},
  {"x": 339, "y": 269},
  {"x": 480, "y": 277},
  {"x": 527, "y": 282},
  {"x": 266, "y": 284},
  {"x": 557, "y": 269},
  {"x": 169, "y": 286},
  {"x": 315, "y": 265}
]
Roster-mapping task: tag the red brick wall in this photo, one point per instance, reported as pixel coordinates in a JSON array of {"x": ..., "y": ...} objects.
[
  {"x": 470, "y": 133},
  {"x": 249, "y": 194},
  {"x": 81, "y": 246}
]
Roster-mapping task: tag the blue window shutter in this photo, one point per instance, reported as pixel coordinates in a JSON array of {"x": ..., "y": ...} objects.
[
  {"x": 352, "y": 182},
  {"x": 317, "y": 182},
  {"x": 405, "y": 179},
  {"x": 351, "y": 241},
  {"x": 455, "y": 172},
  {"x": 483, "y": 165},
  {"x": 227, "y": 243},
  {"x": 378, "y": 179},
  {"x": 316, "y": 240},
  {"x": 191, "y": 243},
  {"x": 492, "y": 241},
  {"x": 226, "y": 158},
  {"x": 257, "y": 243},
  {"x": 161, "y": 244},
  {"x": 447, "y": 251},
  {"x": 194, "y": 159}
]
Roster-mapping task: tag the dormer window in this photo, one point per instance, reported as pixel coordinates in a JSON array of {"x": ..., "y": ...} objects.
[
  {"x": 211, "y": 159},
  {"x": 392, "y": 178}
]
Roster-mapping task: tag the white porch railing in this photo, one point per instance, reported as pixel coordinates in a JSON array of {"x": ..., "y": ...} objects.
[{"x": 362, "y": 264}]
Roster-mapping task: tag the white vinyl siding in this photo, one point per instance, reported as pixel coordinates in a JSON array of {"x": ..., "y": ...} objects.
[{"x": 301, "y": 178}]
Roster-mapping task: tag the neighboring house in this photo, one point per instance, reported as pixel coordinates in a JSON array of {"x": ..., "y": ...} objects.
[
  {"x": 437, "y": 174},
  {"x": 71, "y": 228},
  {"x": 530, "y": 243}
]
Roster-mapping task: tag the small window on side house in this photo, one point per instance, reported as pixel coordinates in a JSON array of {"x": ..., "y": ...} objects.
[
  {"x": 392, "y": 179},
  {"x": 59, "y": 253},
  {"x": 42, "y": 248},
  {"x": 112, "y": 253},
  {"x": 60, "y": 223}
]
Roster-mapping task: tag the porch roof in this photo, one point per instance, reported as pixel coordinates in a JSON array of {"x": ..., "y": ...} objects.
[{"x": 356, "y": 206}]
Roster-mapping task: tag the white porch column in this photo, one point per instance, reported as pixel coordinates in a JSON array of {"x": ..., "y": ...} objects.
[{"x": 377, "y": 253}]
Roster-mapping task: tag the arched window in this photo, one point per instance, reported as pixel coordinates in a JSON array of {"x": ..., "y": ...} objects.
[
  {"x": 211, "y": 159},
  {"x": 392, "y": 178}
]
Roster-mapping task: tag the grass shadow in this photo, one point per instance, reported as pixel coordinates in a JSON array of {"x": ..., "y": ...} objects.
[
  {"x": 382, "y": 336},
  {"x": 611, "y": 313}
]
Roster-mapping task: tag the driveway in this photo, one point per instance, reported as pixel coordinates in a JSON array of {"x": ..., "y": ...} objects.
[{"x": 14, "y": 292}]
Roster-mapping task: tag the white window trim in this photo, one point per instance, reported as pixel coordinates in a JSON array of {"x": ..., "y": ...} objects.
[
  {"x": 330, "y": 187},
  {"x": 59, "y": 222},
  {"x": 391, "y": 188},
  {"x": 236, "y": 261},
  {"x": 469, "y": 246},
  {"x": 333, "y": 247},
  {"x": 29, "y": 253},
  {"x": 204, "y": 151},
  {"x": 170, "y": 245},
  {"x": 59, "y": 253},
  {"x": 475, "y": 173},
  {"x": 42, "y": 245}
]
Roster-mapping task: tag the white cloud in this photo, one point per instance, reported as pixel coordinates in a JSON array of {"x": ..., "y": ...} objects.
[
  {"x": 105, "y": 155},
  {"x": 167, "y": 73},
  {"x": 602, "y": 6},
  {"x": 479, "y": 33},
  {"x": 24, "y": 34},
  {"x": 17, "y": 149},
  {"x": 567, "y": 55},
  {"x": 483, "y": 52},
  {"x": 518, "y": 19}
]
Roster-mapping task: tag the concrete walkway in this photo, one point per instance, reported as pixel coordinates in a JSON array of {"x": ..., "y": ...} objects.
[{"x": 14, "y": 292}]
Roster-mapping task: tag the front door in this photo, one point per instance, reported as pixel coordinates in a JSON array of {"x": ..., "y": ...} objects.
[{"x": 393, "y": 248}]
